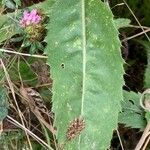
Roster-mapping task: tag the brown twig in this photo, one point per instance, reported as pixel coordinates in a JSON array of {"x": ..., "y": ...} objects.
[
  {"x": 136, "y": 35},
  {"x": 144, "y": 136},
  {"x": 147, "y": 129},
  {"x": 1, "y": 127},
  {"x": 146, "y": 143}
]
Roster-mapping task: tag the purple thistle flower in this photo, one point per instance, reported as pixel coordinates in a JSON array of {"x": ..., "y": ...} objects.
[
  {"x": 30, "y": 18},
  {"x": 34, "y": 12}
]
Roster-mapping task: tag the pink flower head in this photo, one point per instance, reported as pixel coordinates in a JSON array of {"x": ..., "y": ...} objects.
[
  {"x": 34, "y": 12},
  {"x": 30, "y": 18}
]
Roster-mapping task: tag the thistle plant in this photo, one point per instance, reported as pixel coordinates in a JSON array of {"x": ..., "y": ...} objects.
[{"x": 32, "y": 25}]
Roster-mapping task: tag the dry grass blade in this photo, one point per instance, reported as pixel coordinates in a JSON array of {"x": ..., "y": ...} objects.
[
  {"x": 136, "y": 35},
  {"x": 22, "y": 54},
  {"x": 136, "y": 20},
  {"x": 11, "y": 120},
  {"x": 120, "y": 139},
  {"x": 1, "y": 127},
  {"x": 14, "y": 97},
  {"x": 146, "y": 143}
]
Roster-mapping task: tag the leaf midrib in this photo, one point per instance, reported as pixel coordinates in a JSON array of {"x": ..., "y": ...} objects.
[
  {"x": 83, "y": 58},
  {"x": 83, "y": 53}
]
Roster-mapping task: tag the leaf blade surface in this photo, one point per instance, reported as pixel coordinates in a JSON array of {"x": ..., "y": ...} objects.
[{"x": 86, "y": 66}]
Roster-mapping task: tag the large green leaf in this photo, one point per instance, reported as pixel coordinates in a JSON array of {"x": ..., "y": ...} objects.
[{"x": 87, "y": 68}]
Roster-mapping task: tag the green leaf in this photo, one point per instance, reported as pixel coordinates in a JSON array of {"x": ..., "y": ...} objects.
[
  {"x": 132, "y": 114},
  {"x": 3, "y": 96},
  {"x": 27, "y": 74},
  {"x": 87, "y": 69},
  {"x": 1, "y": 4},
  {"x": 147, "y": 116},
  {"x": 9, "y": 4},
  {"x": 146, "y": 45},
  {"x": 18, "y": 2},
  {"x": 12, "y": 140},
  {"x": 6, "y": 137},
  {"x": 3, "y": 106},
  {"x": 45, "y": 6},
  {"x": 7, "y": 28},
  {"x": 122, "y": 22}
]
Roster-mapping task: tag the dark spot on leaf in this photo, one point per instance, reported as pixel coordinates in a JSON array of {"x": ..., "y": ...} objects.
[
  {"x": 131, "y": 102},
  {"x": 138, "y": 113},
  {"x": 62, "y": 65}
]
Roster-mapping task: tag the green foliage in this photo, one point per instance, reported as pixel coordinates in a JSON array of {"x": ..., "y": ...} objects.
[
  {"x": 32, "y": 46},
  {"x": 147, "y": 116},
  {"x": 132, "y": 114},
  {"x": 18, "y": 2},
  {"x": 145, "y": 11},
  {"x": 122, "y": 22},
  {"x": 7, "y": 28},
  {"x": 140, "y": 9},
  {"x": 86, "y": 66},
  {"x": 7, "y": 137},
  {"x": 45, "y": 6},
  {"x": 1, "y": 4},
  {"x": 9, "y": 4},
  {"x": 37, "y": 146},
  {"x": 87, "y": 69},
  {"x": 12, "y": 140},
  {"x": 3, "y": 97},
  {"x": 27, "y": 74},
  {"x": 46, "y": 94},
  {"x": 146, "y": 45},
  {"x": 3, "y": 105},
  {"x": 9, "y": 24}
]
